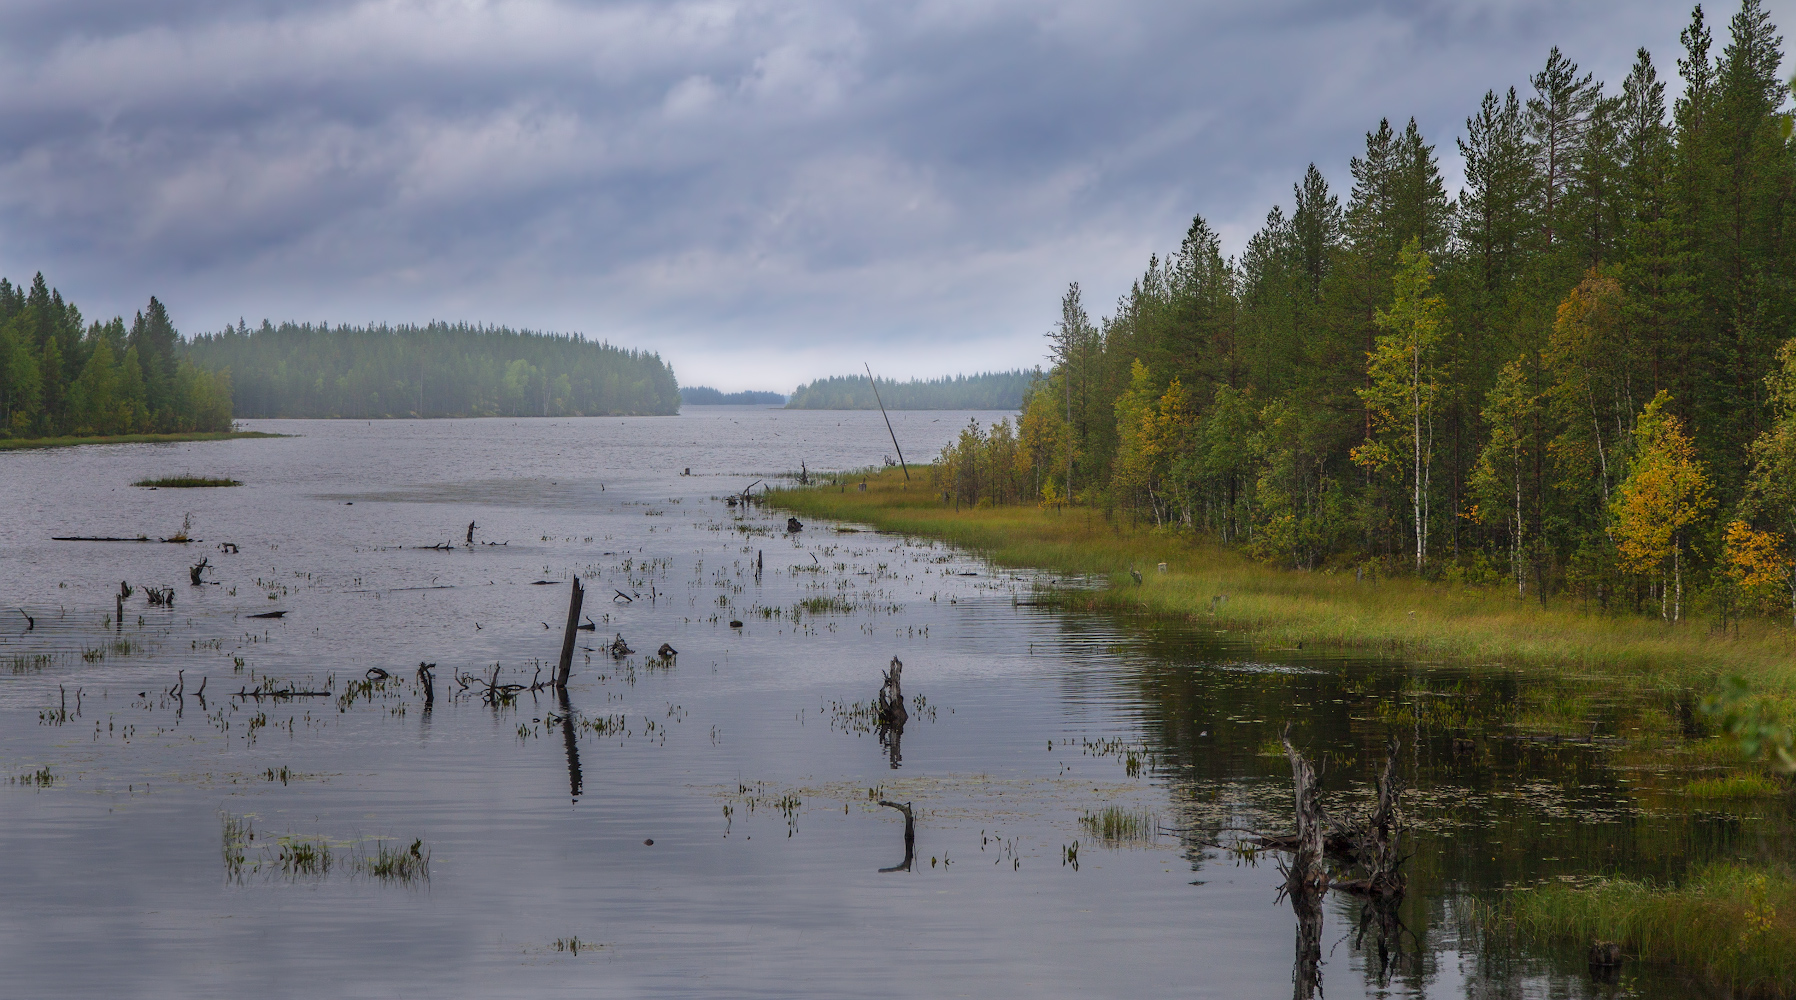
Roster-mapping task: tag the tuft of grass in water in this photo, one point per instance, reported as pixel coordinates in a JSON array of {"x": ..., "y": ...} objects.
[
  {"x": 396, "y": 864},
  {"x": 1734, "y": 923},
  {"x": 186, "y": 482},
  {"x": 40, "y": 778},
  {"x": 1116, "y": 826},
  {"x": 239, "y": 834},
  {"x": 303, "y": 856},
  {"x": 572, "y": 945},
  {"x": 1745, "y": 785}
]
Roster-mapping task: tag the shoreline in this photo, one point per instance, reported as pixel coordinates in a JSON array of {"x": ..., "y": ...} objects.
[
  {"x": 69, "y": 441},
  {"x": 1222, "y": 588}
]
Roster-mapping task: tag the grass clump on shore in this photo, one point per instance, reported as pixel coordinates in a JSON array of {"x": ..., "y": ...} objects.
[
  {"x": 1734, "y": 923},
  {"x": 69, "y": 441},
  {"x": 1223, "y": 589},
  {"x": 186, "y": 482},
  {"x": 1743, "y": 785}
]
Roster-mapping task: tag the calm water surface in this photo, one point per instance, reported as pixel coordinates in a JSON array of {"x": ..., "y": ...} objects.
[{"x": 746, "y": 758}]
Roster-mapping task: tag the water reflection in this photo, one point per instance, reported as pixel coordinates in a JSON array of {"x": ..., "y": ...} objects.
[{"x": 574, "y": 780}]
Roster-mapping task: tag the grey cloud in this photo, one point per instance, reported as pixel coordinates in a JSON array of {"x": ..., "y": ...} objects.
[{"x": 907, "y": 182}]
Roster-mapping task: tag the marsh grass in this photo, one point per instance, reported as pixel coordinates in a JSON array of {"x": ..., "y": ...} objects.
[
  {"x": 1220, "y": 588},
  {"x": 1743, "y": 785},
  {"x": 395, "y": 864},
  {"x": 1734, "y": 923},
  {"x": 185, "y": 482},
  {"x": 1116, "y": 826},
  {"x": 298, "y": 857},
  {"x": 7, "y": 444}
]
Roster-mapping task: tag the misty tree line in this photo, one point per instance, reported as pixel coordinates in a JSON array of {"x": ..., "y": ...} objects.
[
  {"x": 1576, "y": 376},
  {"x": 986, "y": 391},
  {"x": 60, "y": 376},
  {"x": 438, "y": 370}
]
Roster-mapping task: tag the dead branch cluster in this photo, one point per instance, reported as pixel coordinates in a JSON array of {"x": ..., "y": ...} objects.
[{"x": 1363, "y": 850}]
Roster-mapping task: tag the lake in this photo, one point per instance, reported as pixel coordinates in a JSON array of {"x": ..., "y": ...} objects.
[{"x": 708, "y": 823}]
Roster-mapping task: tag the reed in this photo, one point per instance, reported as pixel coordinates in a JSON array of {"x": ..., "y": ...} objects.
[{"x": 1735, "y": 923}]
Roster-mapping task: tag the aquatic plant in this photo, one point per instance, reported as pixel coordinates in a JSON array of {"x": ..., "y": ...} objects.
[
  {"x": 1734, "y": 922},
  {"x": 1115, "y": 825}
]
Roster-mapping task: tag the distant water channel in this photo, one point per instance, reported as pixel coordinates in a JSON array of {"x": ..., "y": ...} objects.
[{"x": 157, "y": 841}]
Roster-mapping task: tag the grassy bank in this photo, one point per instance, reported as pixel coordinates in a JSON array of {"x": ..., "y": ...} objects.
[
  {"x": 1735, "y": 923},
  {"x": 18, "y": 444},
  {"x": 1220, "y": 588}
]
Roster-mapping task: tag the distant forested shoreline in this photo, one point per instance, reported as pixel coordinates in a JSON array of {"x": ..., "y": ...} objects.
[
  {"x": 438, "y": 370},
  {"x": 987, "y": 391},
  {"x": 61, "y": 378},
  {"x": 704, "y": 395}
]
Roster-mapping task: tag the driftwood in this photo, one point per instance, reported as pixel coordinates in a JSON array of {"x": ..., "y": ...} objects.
[
  {"x": 162, "y": 597},
  {"x": 428, "y": 682},
  {"x": 794, "y": 525},
  {"x": 576, "y": 597},
  {"x": 102, "y": 538},
  {"x": 588, "y": 626},
  {"x": 910, "y": 836},
  {"x": 619, "y": 648},
  {"x": 470, "y": 534},
  {"x": 194, "y": 571},
  {"x": 269, "y": 614}
]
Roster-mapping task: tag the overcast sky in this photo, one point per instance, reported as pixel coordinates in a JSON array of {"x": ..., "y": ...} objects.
[{"x": 762, "y": 192}]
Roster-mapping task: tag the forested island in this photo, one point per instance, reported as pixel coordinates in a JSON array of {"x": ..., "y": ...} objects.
[
  {"x": 436, "y": 370},
  {"x": 63, "y": 377},
  {"x": 1573, "y": 376},
  {"x": 704, "y": 395},
  {"x": 988, "y": 391}
]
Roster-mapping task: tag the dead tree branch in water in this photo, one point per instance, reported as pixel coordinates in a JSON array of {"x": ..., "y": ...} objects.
[
  {"x": 576, "y": 597},
  {"x": 910, "y": 836}
]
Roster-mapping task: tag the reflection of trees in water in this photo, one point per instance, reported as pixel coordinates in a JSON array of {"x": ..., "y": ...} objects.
[{"x": 1509, "y": 782}]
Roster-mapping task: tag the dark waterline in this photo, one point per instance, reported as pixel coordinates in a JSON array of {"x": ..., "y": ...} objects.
[{"x": 748, "y": 760}]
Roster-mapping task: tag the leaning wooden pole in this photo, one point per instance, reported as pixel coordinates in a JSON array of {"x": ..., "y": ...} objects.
[
  {"x": 882, "y": 412},
  {"x": 567, "y": 639}
]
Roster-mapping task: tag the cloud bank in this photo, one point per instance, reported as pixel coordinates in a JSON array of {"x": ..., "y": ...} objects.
[{"x": 762, "y": 192}]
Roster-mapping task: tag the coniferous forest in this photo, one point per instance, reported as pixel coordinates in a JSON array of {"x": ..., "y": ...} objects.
[
  {"x": 439, "y": 370},
  {"x": 1576, "y": 375},
  {"x": 60, "y": 377},
  {"x": 986, "y": 391}
]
